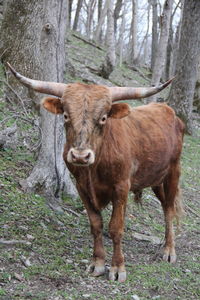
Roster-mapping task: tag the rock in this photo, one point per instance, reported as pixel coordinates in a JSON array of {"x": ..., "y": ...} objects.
[
  {"x": 30, "y": 237},
  {"x": 86, "y": 296},
  {"x": 85, "y": 261},
  {"x": 135, "y": 297},
  {"x": 149, "y": 238},
  {"x": 69, "y": 261},
  {"x": 18, "y": 277}
]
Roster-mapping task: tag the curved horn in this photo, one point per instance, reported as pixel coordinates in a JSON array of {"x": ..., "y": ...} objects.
[
  {"x": 45, "y": 87},
  {"x": 126, "y": 93}
]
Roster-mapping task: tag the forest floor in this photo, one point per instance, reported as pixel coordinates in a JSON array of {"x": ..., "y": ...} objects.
[{"x": 49, "y": 252}]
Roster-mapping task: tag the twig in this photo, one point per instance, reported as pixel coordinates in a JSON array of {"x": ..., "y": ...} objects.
[
  {"x": 134, "y": 68},
  {"x": 16, "y": 94},
  {"x": 90, "y": 43},
  {"x": 192, "y": 210},
  {"x": 71, "y": 211},
  {"x": 14, "y": 242},
  {"x": 3, "y": 53}
]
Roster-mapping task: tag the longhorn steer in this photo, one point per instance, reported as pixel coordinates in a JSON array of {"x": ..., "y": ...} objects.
[{"x": 112, "y": 149}]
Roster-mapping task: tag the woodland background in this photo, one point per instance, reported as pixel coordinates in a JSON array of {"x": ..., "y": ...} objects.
[{"x": 44, "y": 234}]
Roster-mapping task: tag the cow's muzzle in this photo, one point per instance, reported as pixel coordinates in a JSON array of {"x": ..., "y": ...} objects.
[{"x": 78, "y": 157}]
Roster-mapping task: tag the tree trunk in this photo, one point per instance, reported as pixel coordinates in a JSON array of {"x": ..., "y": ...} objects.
[
  {"x": 133, "y": 35},
  {"x": 33, "y": 42},
  {"x": 175, "y": 47},
  {"x": 169, "y": 54},
  {"x": 183, "y": 87},
  {"x": 197, "y": 90},
  {"x": 144, "y": 43},
  {"x": 154, "y": 43},
  {"x": 99, "y": 9},
  {"x": 162, "y": 46},
  {"x": 69, "y": 7},
  {"x": 118, "y": 7},
  {"x": 109, "y": 64},
  {"x": 78, "y": 10},
  {"x": 98, "y": 31},
  {"x": 90, "y": 14},
  {"x": 121, "y": 35}
]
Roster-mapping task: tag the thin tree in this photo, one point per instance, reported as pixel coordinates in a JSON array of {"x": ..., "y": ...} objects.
[
  {"x": 154, "y": 43},
  {"x": 121, "y": 35},
  {"x": 69, "y": 13},
  {"x": 162, "y": 45},
  {"x": 117, "y": 10},
  {"x": 144, "y": 43},
  {"x": 100, "y": 2},
  {"x": 168, "y": 64},
  {"x": 78, "y": 10},
  {"x": 182, "y": 90},
  {"x": 133, "y": 33},
  {"x": 32, "y": 40},
  {"x": 109, "y": 63},
  {"x": 90, "y": 15},
  {"x": 101, "y": 20}
]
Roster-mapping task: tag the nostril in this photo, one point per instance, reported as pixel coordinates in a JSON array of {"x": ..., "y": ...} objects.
[
  {"x": 73, "y": 156},
  {"x": 87, "y": 156}
]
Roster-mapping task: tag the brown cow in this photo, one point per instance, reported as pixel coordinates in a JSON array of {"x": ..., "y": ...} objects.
[{"x": 113, "y": 149}]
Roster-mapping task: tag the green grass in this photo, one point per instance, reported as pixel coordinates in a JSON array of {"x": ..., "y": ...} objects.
[{"x": 60, "y": 243}]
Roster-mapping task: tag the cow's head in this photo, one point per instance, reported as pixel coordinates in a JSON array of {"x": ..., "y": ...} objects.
[{"x": 86, "y": 109}]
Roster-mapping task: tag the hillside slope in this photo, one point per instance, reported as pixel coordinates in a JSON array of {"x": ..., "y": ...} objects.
[{"x": 45, "y": 255}]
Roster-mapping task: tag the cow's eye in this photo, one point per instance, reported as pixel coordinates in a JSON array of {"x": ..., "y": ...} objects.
[
  {"x": 103, "y": 120},
  {"x": 66, "y": 117}
]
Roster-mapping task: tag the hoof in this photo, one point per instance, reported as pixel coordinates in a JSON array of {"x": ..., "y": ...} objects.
[
  {"x": 96, "y": 270},
  {"x": 118, "y": 274},
  {"x": 170, "y": 258},
  {"x": 99, "y": 271},
  {"x": 169, "y": 255}
]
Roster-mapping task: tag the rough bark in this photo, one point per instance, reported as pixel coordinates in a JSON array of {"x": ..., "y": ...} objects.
[
  {"x": 109, "y": 64},
  {"x": 154, "y": 43},
  {"x": 162, "y": 46},
  {"x": 78, "y": 10},
  {"x": 183, "y": 87},
  {"x": 1, "y": 10},
  {"x": 197, "y": 90},
  {"x": 133, "y": 36},
  {"x": 33, "y": 42}
]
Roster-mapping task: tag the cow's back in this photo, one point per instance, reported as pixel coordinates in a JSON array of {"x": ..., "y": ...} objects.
[{"x": 141, "y": 146}]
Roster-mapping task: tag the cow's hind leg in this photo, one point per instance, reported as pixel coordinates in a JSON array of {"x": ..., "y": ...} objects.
[
  {"x": 169, "y": 196},
  {"x": 116, "y": 229}
]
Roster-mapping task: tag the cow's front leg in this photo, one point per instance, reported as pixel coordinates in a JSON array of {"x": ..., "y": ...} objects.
[
  {"x": 97, "y": 266},
  {"x": 116, "y": 229}
]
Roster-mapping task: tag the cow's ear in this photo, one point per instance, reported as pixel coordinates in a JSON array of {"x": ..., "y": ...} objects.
[
  {"x": 53, "y": 105},
  {"x": 119, "y": 110}
]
